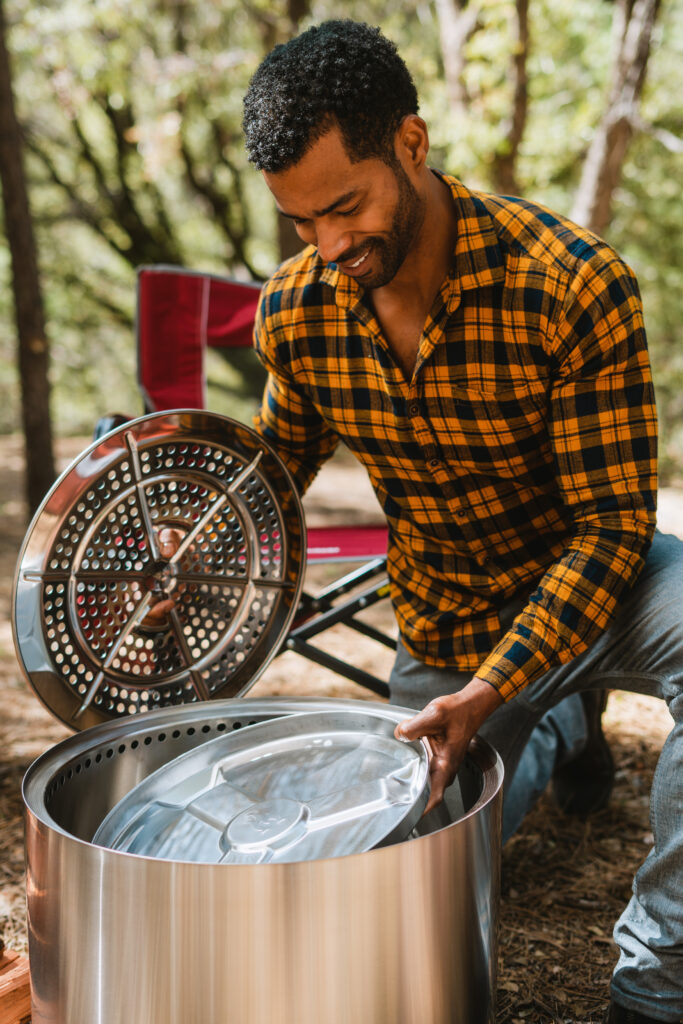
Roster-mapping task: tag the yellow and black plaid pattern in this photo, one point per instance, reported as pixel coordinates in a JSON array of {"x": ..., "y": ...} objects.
[{"x": 520, "y": 460}]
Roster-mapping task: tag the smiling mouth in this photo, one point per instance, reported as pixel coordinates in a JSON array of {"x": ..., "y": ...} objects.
[{"x": 359, "y": 262}]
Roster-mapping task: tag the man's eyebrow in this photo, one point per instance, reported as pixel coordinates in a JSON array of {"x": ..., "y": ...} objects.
[{"x": 347, "y": 197}]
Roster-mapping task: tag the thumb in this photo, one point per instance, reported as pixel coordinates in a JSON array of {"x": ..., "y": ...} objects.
[{"x": 425, "y": 724}]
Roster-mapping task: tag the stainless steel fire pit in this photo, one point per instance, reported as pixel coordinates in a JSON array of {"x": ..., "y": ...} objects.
[{"x": 404, "y": 933}]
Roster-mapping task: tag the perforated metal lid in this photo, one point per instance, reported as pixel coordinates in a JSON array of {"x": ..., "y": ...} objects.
[
  {"x": 90, "y": 569},
  {"x": 301, "y": 788}
]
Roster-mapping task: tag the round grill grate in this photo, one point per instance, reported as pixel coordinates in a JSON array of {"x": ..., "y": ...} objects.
[{"x": 91, "y": 569}]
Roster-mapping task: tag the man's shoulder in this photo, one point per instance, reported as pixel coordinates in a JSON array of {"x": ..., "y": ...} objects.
[
  {"x": 527, "y": 229},
  {"x": 297, "y": 282},
  {"x": 521, "y": 228}
]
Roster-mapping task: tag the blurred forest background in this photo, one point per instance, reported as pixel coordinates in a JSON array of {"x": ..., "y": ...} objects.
[{"x": 129, "y": 122}]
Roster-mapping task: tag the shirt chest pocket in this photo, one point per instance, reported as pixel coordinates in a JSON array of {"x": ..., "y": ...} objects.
[{"x": 501, "y": 434}]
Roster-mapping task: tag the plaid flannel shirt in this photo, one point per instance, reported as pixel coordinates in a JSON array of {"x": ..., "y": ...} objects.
[{"x": 519, "y": 460}]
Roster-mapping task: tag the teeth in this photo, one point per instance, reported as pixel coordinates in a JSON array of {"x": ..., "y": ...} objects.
[{"x": 362, "y": 259}]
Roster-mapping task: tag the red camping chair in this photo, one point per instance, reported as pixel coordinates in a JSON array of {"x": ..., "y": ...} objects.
[{"x": 179, "y": 314}]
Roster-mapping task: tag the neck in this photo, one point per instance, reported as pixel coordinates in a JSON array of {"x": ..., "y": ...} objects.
[{"x": 429, "y": 260}]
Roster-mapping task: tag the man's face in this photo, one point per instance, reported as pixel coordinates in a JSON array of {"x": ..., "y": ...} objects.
[{"x": 362, "y": 216}]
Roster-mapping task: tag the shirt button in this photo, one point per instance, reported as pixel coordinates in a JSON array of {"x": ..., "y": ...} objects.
[
  {"x": 414, "y": 409},
  {"x": 461, "y": 513},
  {"x": 435, "y": 462}
]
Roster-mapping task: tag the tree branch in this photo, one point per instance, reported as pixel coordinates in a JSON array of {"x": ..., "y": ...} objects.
[
  {"x": 230, "y": 211},
  {"x": 100, "y": 299},
  {"x": 634, "y": 22},
  {"x": 673, "y": 143},
  {"x": 81, "y": 211},
  {"x": 150, "y": 243}
]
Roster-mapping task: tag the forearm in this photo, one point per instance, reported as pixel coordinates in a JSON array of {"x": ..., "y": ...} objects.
[{"x": 574, "y": 602}]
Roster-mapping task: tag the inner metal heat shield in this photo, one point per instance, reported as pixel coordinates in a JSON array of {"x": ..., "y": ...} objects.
[{"x": 90, "y": 569}]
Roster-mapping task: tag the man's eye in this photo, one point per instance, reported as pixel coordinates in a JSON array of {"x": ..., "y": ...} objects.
[{"x": 348, "y": 213}]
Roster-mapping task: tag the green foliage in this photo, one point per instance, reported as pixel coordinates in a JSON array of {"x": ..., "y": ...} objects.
[{"x": 132, "y": 117}]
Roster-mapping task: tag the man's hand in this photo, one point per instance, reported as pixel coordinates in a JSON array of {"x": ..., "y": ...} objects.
[
  {"x": 449, "y": 723},
  {"x": 168, "y": 542}
]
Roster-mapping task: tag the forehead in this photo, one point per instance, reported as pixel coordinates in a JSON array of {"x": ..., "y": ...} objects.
[{"x": 323, "y": 175}]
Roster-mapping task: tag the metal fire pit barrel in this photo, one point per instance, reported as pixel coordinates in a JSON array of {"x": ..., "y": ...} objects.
[
  {"x": 400, "y": 933},
  {"x": 403, "y": 934}
]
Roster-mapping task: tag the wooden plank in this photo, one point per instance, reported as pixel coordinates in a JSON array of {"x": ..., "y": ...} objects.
[{"x": 15, "y": 990}]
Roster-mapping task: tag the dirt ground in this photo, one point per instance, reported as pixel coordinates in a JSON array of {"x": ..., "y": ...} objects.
[{"x": 564, "y": 882}]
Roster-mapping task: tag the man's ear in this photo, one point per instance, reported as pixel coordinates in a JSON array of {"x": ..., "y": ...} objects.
[{"x": 412, "y": 142}]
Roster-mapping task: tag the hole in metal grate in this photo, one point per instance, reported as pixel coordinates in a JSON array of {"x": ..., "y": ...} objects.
[{"x": 95, "y": 758}]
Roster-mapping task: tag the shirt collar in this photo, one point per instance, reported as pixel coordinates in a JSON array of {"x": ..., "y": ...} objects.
[
  {"x": 477, "y": 258},
  {"x": 348, "y": 291}
]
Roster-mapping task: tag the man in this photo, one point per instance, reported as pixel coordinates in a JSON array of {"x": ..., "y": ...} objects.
[{"x": 486, "y": 361}]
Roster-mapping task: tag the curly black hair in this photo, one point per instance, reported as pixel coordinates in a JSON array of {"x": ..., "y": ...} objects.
[{"x": 343, "y": 72}]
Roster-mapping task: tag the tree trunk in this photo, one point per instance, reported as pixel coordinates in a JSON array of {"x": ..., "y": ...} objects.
[
  {"x": 457, "y": 21},
  {"x": 505, "y": 160},
  {"x": 33, "y": 357},
  {"x": 634, "y": 21}
]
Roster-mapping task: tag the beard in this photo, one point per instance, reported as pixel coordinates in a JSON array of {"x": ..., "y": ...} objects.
[{"x": 391, "y": 250}]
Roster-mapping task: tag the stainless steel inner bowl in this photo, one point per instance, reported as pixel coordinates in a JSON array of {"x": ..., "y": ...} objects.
[{"x": 300, "y": 787}]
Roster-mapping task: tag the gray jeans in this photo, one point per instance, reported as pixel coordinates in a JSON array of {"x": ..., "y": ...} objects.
[{"x": 641, "y": 651}]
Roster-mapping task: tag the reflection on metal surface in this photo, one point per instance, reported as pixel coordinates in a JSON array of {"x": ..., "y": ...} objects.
[
  {"x": 90, "y": 569},
  {"x": 297, "y": 788},
  {"x": 405, "y": 933}
]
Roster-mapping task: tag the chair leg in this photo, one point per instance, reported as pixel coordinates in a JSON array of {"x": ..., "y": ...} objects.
[{"x": 316, "y": 614}]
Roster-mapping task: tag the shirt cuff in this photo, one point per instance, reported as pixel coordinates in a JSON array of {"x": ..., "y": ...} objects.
[{"x": 520, "y": 660}]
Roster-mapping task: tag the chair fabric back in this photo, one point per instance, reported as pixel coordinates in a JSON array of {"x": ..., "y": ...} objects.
[{"x": 179, "y": 313}]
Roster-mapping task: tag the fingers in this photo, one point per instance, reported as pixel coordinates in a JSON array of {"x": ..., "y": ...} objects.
[
  {"x": 442, "y": 771},
  {"x": 169, "y": 541},
  {"x": 158, "y": 612},
  {"x": 436, "y": 722}
]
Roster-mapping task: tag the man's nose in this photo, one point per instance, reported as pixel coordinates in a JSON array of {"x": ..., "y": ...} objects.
[{"x": 332, "y": 243}]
